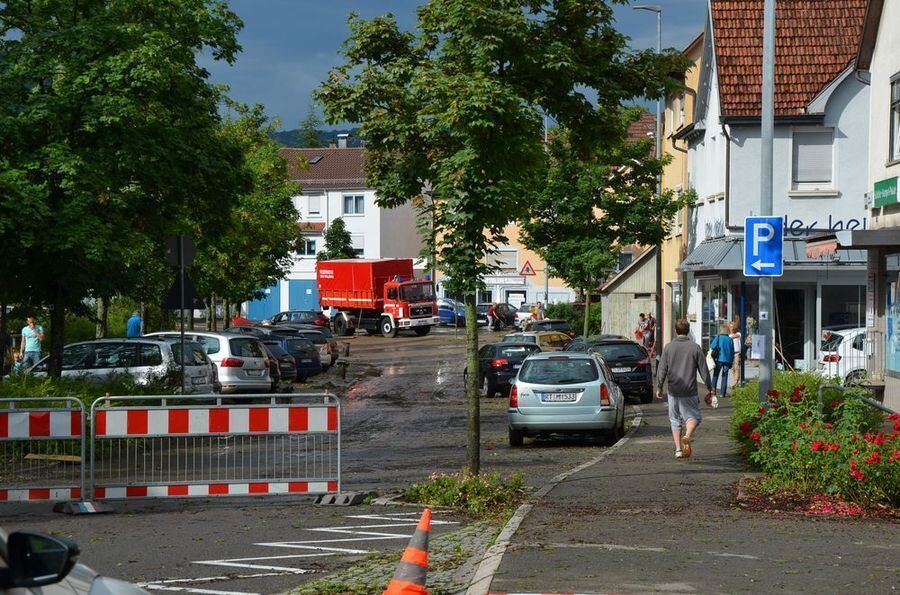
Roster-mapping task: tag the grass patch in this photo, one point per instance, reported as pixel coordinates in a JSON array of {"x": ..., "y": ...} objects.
[{"x": 479, "y": 495}]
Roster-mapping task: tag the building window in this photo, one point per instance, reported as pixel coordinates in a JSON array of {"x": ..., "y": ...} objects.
[
  {"x": 308, "y": 247},
  {"x": 625, "y": 259},
  {"x": 354, "y": 205},
  {"x": 314, "y": 204},
  {"x": 359, "y": 244},
  {"x": 812, "y": 159},
  {"x": 895, "y": 118},
  {"x": 486, "y": 297},
  {"x": 681, "y": 110}
]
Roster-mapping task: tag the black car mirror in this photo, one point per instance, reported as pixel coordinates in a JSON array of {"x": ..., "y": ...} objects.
[{"x": 35, "y": 560}]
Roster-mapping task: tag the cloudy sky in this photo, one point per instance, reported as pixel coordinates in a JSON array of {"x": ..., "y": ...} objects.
[{"x": 289, "y": 45}]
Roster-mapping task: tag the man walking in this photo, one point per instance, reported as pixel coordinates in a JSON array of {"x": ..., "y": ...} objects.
[
  {"x": 682, "y": 360},
  {"x": 133, "y": 326},
  {"x": 30, "y": 348}
]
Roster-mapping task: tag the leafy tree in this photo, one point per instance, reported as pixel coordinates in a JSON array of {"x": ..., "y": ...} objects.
[
  {"x": 338, "y": 243},
  {"x": 591, "y": 202},
  {"x": 308, "y": 133},
  {"x": 105, "y": 144},
  {"x": 457, "y": 104}
]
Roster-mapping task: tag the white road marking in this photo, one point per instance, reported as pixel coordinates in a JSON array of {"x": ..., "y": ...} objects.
[
  {"x": 156, "y": 587},
  {"x": 727, "y": 555}
]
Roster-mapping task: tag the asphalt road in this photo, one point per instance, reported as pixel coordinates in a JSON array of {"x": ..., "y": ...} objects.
[{"x": 403, "y": 419}]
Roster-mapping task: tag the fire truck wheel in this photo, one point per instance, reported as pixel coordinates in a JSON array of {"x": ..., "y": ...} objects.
[
  {"x": 422, "y": 330},
  {"x": 387, "y": 327}
]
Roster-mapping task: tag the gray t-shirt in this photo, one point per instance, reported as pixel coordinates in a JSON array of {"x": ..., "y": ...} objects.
[{"x": 681, "y": 361}]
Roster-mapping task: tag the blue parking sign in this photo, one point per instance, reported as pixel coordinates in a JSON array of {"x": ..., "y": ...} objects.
[{"x": 763, "y": 246}]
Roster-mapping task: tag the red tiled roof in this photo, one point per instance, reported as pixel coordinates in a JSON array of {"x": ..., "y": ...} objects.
[
  {"x": 815, "y": 41},
  {"x": 642, "y": 129},
  {"x": 338, "y": 169}
]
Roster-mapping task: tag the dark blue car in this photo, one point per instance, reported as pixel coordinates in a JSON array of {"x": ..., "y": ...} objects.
[
  {"x": 451, "y": 312},
  {"x": 305, "y": 353}
]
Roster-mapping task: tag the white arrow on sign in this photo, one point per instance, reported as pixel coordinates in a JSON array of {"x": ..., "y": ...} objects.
[{"x": 759, "y": 265}]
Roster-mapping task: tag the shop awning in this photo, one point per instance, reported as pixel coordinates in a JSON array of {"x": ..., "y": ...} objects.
[
  {"x": 726, "y": 254},
  {"x": 856, "y": 239}
]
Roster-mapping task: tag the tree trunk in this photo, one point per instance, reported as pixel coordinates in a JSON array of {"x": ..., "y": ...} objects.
[
  {"x": 164, "y": 319},
  {"x": 102, "y": 318},
  {"x": 191, "y": 318},
  {"x": 145, "y": 318},
  {"x": 587, "y": 309},
  {"x": 473, "y": 433},
  {"x": 212, "y": 313},
  {"x": 226, "y": 322},
  {"x": 57, "y": 332}
]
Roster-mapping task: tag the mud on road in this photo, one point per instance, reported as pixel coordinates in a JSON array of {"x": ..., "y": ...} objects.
[{"x": 404, "y": 416}]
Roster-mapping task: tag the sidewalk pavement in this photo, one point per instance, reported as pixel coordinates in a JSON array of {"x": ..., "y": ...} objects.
[{"x": 641, "y": 521}]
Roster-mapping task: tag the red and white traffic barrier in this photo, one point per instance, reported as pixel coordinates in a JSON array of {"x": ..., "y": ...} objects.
[
  {"x": 39, "y": 494},
  {"x": 215, "y": 489},
  {"x": 53, "y": 423},
  {"x": 131, "y": 422}
]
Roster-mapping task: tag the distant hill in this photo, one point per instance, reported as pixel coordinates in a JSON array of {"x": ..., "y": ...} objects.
[{"x": 291, "y": 138}]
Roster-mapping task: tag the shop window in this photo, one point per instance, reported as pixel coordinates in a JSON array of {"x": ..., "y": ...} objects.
[{"x": 843, "y": 307}]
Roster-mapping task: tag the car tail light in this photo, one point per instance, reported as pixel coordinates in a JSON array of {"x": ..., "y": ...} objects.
[
  {"x": 499, "y": 363},
  {"x": 835, "y": 358},
  {"x": 644, "y": 362},
  {"x": 233, "y": 362},
  {"x": 604, "y": 395},
  {"x": 514, "y": 397}
]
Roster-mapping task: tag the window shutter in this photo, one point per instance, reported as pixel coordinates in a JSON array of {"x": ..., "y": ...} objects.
[
  {"x": 812, "y": 157},
  {"x": 315, "y": 203}
]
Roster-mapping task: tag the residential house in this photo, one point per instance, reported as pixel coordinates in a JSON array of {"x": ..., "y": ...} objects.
[
  {"x": 333, "y": 185},
  {"x": 821, "y": 143},
  {"x": 878, "y": 64}
]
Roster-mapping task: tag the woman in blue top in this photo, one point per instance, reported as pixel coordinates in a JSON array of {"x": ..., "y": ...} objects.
[{"x": 724, "y": 358}]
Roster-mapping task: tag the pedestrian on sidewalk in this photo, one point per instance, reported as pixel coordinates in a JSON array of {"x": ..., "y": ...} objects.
[
  {"x": 737, "y": 339},
  {"x": 682, "y": 360},
  {"x": 133, "y": 326},
  {"x": 722, "y": 351},
  {"x": 30, "y": 348}
]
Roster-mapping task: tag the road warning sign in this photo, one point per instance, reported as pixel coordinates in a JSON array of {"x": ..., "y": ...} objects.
[{"x": 527, "y": 270}]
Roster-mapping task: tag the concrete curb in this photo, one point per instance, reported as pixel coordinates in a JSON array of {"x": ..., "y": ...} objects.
[{"x": 484, "y": 574}]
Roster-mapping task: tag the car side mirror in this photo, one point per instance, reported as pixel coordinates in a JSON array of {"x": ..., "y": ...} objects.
[{"x": 35, "y": 560}]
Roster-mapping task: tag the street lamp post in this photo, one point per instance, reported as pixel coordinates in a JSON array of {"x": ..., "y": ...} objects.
[{"x": 658, "y": 137}]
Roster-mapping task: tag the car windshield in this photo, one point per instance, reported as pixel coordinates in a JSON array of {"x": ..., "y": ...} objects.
[
  {"x": 561, "y": 370},
  {"x": 554, "y": 325},
  {"x": 246, "y": 348},
  {"x": 525, "y": 309},
  {"x": 518, "y": 351},
  {"x": 520, "y": 339},
  {"x": 275, "y": 349},
  {"x": 620, "y": 351},
  {"x": 417, "y": 292},
  {"x": 831, "y": 340},
  {"x": 195, "y": 354}
]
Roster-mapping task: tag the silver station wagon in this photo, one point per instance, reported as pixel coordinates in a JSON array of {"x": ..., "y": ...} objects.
[{"x": 562, "y": 392}]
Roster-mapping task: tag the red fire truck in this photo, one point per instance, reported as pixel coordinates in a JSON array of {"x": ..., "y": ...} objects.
[{"x": 380, "y": 296}]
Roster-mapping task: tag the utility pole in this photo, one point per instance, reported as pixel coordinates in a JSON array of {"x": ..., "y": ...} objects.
[
  {"x": 659, "y": 297},
  {"x": 767, "y": 130}
]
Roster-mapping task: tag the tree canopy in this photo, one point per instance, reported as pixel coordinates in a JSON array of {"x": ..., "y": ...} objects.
[
  {"x": 308, "y": 133},
  {"x": 338, "y": 242},
  {"x": 457, "y": 104}
]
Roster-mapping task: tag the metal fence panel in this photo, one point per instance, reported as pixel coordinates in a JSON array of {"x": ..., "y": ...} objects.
[
  {"x": 42, "y": 449},
  {"x": 144, "y": 447}
]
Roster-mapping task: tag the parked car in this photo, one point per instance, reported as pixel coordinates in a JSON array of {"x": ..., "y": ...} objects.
[
  {"x": 282, "y": 367},
  {"x": 505, "y": 312},
  {"x": 844, "y": 354},
  {"x": 451, "y": 312},
  {"x": 322, "y": 337},
  {"x": 498, "y": 363},
  {"x": 307, "y": 361},
  {"x": 38, "y": 563},
  {"x": 581, "y": 344},
  {"x": 546, "y": 340},
  {"x": 146, "y": 360},
  {"x": 628, "y": 361},
  {"x": 315, "y": 317},
  {"x": 241, "y": 360},
  {"x": 524, "y": 315},
  {"x": 551, "y": 325},
  {"x": 559, "y": 393}
]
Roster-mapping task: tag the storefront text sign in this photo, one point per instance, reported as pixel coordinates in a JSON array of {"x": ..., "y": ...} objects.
[{"x": 886, "y": 192}]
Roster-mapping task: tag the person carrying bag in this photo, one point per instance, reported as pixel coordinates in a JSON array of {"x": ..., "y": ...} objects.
[{"x": 721, "y": 351}]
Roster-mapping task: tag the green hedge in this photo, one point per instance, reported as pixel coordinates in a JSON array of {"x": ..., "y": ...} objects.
[
  {"x": 841, "y": 450},
  {"x": 31, "y": 387},
  {"x": 574, "y": 314}
]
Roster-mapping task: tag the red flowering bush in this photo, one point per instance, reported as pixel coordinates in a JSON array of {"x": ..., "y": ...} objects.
[{"x": 842, "y": 450}]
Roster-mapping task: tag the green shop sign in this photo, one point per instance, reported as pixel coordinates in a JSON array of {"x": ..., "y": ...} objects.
[{"x": 885, "y": 192}]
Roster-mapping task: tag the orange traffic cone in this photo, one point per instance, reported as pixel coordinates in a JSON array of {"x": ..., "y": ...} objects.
[{"x": 409, "y": 579}]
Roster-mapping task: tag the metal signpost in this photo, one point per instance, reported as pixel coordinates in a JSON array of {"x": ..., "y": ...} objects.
[
  {"x": 767, "y": 136},
  {"x": 180, "y": 252}
]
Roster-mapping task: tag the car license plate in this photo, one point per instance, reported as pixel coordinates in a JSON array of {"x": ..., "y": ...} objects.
[
  {"x": 198, "y": 380},
  {"x": 558, "y": 397},
  {"x": 306, "y": 360},
  {"x": 254, "y": 372},
  {"x": 620, "y": 370}
]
